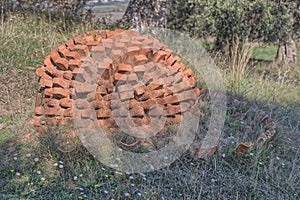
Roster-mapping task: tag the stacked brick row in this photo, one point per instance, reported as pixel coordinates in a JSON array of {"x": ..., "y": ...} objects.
[{"x": 110, "y": 76}]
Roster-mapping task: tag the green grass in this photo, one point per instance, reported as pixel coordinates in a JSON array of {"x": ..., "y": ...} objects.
[
  {"x": 266, "y": 53},
  {"x": 271, "y": 171}
]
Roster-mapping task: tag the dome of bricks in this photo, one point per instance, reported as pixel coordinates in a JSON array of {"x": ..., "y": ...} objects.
[{"x": 113, "y": 76}]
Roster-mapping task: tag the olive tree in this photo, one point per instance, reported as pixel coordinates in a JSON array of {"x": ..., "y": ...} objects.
[
  {"x": 146, "y": 13},
  {"x": 272, "y": 21}
]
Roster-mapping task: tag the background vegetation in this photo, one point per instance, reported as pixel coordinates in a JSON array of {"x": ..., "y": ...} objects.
[{"x": 32, "y": 168}]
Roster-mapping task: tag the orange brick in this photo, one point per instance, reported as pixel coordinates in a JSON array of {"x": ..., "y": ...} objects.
[
  {"x": 40, "y": 71},
  {"x": 124, "y": 96},
  {"x": 125, "y": 88},
  {"x": 178, "y": 77},
  {"x": 133, "y": 103},
  {"x": 157, "y": 110},
  {"x": 88, "y": 113},
  {"x": 48, "y": 92},
  {"x": 109, "y": 87},
  {"x": 60, "y": 92},
  {"x": 66, "y": 103},
  {"x": 68, "y": 75},
  {"x": 137, "y": 111},
  {"x": 124, "y": 68},
  {"x": 160, "y": 73},
  {"x": 169, "y": 53},
  {"x": 140, "y": 59},
  {"x": 115, "y": 104},
  {"x": 197, "y": 92},
  {"x": 120, "y": 77},
  {"x": 116, "y": 54},
  {"x": 72, "y": 55},
  {"x": 159, "y": 55},
  {"x": 139, "y": 69},
  {"x": 78, "y": 40},
  {"x": 99, "y": 104},
  {"x": 132, "y": 78},
  {"x": 107, "y": 97},
  {"x": 51, "y": 102},
  {"x": 136, "y": 43},
  {"x": 192, "y": 81},
  {"x": 60, "y": 62},
  {"x": 39, "y": 110},
  {"x": 46, "y": 81},
  {"x": 175, "y": 109},
  {"x": 98, "y": 53},
  {"x": 171, "y": 99},
  {"x": 179, "y": 87},
  {"x": 104, "y": 113},
  {"x": 59, "y": 82},
  {"x": 130, "y": 53},
  {"x": 82, "y": 104},
  {"x": 68, "y": 112},
  {"x": 168, "y": 92},
  {"x": 88, "y": 39},
  {"x": 37, "y": 121},
  {"x": 186, "y": 95},
  {"x": 147, "y": 51},
  {"x": 120, "y": 112},
  {"x": 53, "y": 71},
  {"x": 167, "y": 81},
  {"x": 188, "y": 72},
  {"x": 91, "y": 96},
  {"x": 154, "y": 86},
  {"x": 83, "y": 88},
  {"x": 172, "y": 60},
  {"x": 82, "y": 50},
  {"x": 53, "y": 111},
  {"x": 74, "y": 64},
  {"x": 157, "y": 93},
  {"x": 172, "y": 110},
  {"x": 148, "y": 104},
  {"x": 140, "y": 90},
  {"x": 177, "y": 66},
  {"x": 105, "y": 122},
  {"x": 119, "y": 45}
]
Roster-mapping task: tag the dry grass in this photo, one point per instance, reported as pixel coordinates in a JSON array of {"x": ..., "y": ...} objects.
[
  {"x": 237, "y": 58},
  {"x": 268, "y": 172}
]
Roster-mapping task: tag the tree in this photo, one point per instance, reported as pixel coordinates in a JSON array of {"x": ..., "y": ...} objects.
[
  {"x": 146, "y": 13},
  {"x": 272, "y": 21},
  {"x": 287, "y": 50}
]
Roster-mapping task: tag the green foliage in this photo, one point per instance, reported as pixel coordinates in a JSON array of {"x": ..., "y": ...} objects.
[
  {"x": 256, "y": 20},
  {"x": 62, "y": 9}
]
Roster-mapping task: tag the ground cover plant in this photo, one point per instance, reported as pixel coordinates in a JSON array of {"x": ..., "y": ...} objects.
[{"x": 32, "y": 168}]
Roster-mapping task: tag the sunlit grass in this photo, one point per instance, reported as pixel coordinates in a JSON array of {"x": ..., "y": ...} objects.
[
  {"x": 36, "y": 170},
  {"x": 266, "y": 53}
]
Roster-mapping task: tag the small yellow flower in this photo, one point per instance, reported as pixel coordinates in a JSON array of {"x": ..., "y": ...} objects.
[
  {"x": 80, "y": 197},
  {"x": 97, "y": 185},
  {"x": 12, "y": 170},
  {"x": 113, "y": 190},
  {"x": 110, "y": 129},
  {"x": 106, "y": 176}
]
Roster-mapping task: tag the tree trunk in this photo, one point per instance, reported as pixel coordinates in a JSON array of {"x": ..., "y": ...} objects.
[
  {"x": 287, "y": 52},
  {"x": 146, "y": 13}
]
